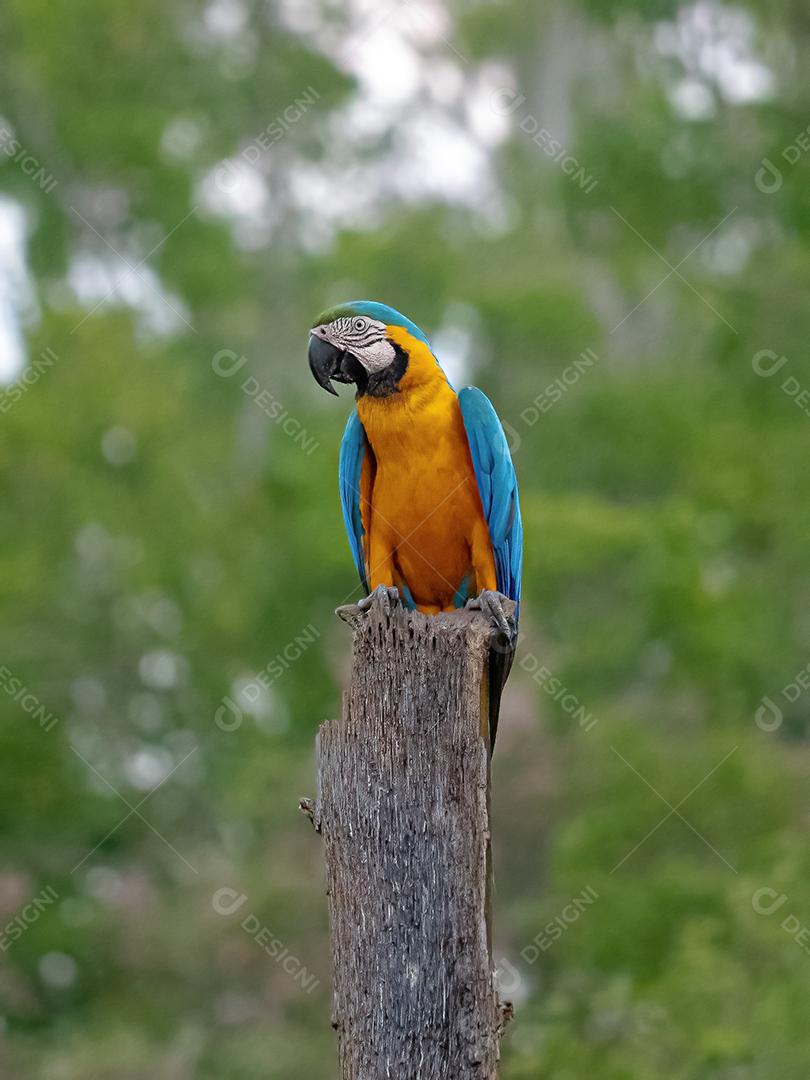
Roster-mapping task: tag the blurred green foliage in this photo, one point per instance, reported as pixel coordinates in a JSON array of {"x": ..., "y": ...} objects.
[{"x": 168, "y": 535}]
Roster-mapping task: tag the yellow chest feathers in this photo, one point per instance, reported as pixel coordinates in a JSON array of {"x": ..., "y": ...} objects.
[{"x": 421, "y": 415}]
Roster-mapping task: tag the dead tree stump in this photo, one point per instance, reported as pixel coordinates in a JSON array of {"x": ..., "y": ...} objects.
[{"x": 403, "y": 807}]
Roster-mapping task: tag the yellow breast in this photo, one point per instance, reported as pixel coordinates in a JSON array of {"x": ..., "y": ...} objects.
[{"x": 425, "y": 517}]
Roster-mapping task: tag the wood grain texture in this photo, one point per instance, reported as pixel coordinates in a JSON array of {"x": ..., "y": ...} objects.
[{"x": 403, "y": 807}]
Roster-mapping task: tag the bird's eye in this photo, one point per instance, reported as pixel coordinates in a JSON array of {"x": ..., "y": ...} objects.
[{"x": 360, "y": 324}]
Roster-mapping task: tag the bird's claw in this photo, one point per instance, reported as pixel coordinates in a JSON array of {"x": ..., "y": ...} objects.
[
  {"x": 491, "y": 604},
  {"x": 386, "y": 596}
]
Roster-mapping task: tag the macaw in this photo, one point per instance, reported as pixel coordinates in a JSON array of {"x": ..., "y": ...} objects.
[{"x": 427, "y": 485}]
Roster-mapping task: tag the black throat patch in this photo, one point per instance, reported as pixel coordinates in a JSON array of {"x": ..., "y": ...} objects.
[{"x": 383, "y": 383}]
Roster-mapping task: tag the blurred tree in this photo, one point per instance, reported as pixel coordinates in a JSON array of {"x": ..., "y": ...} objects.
[{"x": 521, "y": 181}]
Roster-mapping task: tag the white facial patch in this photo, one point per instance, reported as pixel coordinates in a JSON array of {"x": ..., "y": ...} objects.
[
  {"x": 363, "y": 337},
  {"x": 377, "y": 356}
]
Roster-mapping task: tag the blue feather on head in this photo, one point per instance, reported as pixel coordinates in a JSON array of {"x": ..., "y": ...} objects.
[{"x": 372, "y": 309}]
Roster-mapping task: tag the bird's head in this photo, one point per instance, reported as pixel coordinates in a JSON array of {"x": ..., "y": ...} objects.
[{"x": 366, "y": 343}]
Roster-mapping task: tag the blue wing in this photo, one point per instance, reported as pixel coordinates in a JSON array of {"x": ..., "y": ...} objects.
[
  {"x": 497, "y": 486},
  {"x": 353, "y": 450}
]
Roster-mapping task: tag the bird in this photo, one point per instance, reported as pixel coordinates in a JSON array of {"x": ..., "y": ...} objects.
[{"x": 427, "y": 484}]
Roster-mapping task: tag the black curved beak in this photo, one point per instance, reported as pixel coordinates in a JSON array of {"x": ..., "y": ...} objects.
[
  {"x": 327, "y": 362},
  {"x": 324, "y": 362}
]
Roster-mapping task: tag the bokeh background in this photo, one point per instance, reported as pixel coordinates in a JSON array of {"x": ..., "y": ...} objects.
[{"x": 600, "y": 213}]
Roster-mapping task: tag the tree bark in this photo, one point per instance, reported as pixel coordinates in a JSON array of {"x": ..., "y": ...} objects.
[{"x": 403, "y": 807}]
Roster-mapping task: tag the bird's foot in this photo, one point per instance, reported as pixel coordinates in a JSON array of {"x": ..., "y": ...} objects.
[
  {"x": 504, "y": 629},
  {"x": 386, "y": 597}
]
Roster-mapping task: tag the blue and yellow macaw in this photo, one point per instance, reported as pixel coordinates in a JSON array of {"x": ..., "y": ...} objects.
[{"x": 428, "y": 488}]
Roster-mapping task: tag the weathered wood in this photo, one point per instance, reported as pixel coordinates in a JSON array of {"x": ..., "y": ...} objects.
[{"x": 403, "y": 807}]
